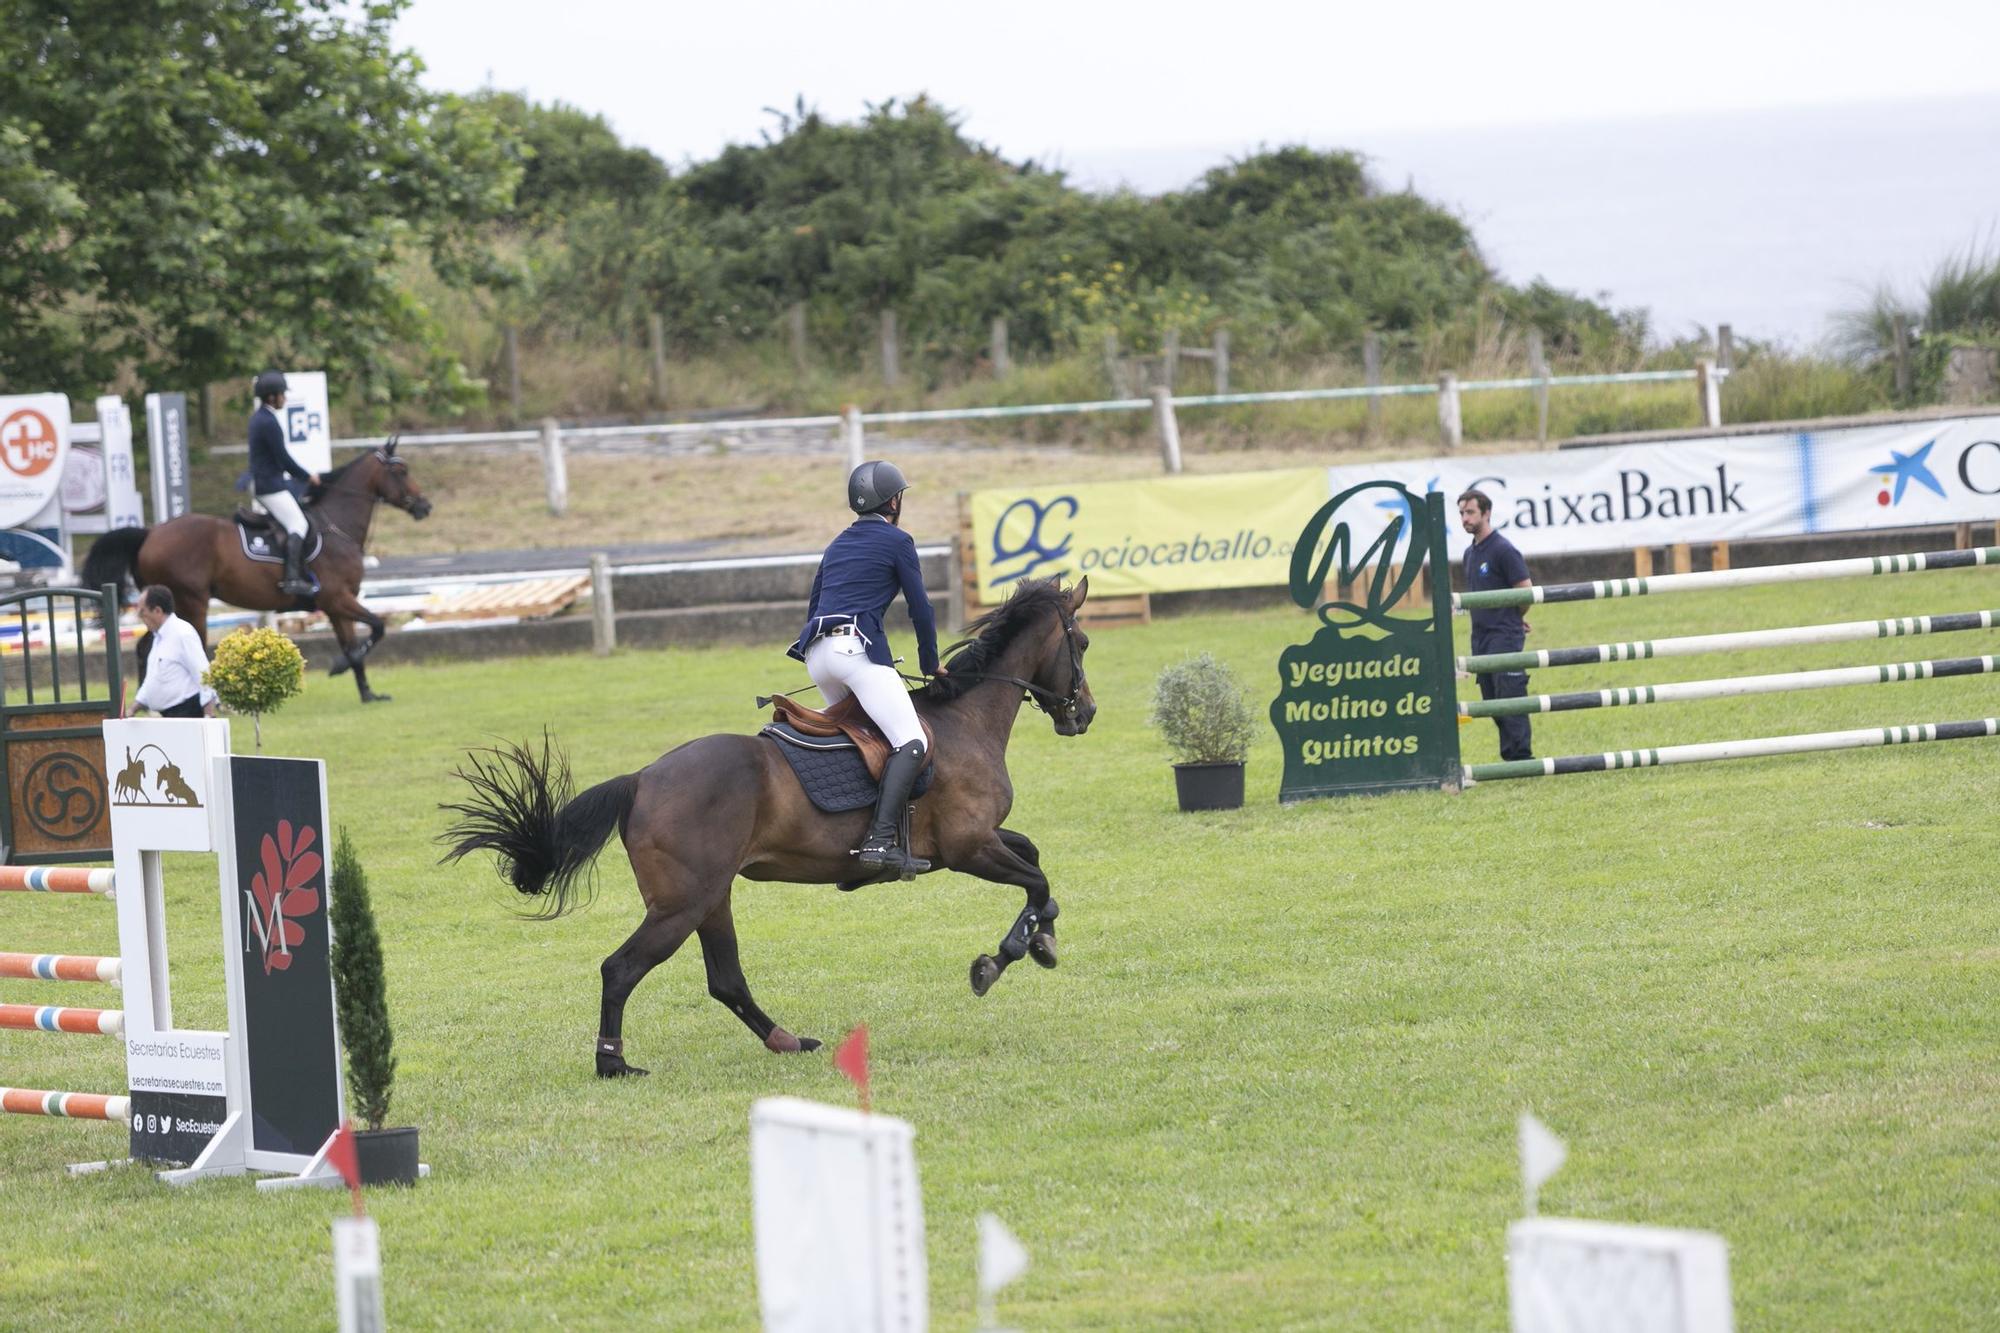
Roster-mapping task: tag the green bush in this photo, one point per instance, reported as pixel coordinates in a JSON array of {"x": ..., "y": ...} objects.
[
  {"x": 1199, "y": 707},
  {"x": 254, "y": 671}
]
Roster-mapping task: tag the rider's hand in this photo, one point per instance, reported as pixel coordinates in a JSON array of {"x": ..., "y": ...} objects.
[{"x": 941, "y": 671}]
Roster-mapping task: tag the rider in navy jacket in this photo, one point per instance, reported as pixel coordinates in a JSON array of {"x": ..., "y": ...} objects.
[
  {"x": 270, "y": 463},
  {"x": 859, "y": 576},
  {"x": 847, "y": 653}
]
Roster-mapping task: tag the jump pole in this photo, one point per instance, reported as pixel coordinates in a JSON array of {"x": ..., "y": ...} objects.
[
  {"x": 61, "y": 967},
  {"x": 1695, "y": 644},
  {"x": 1813, "y": 571},
  {"x": 57, "y": 879},
  {"x": 71, "y": 1105},
  {"x": 1863, "y": 738},
  {"x": 1728, "y": 687}
]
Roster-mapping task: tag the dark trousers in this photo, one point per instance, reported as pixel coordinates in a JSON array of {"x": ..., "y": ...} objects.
[
  {"x": 1515, "y": 742},
  {"x": 188, "y": 707}
]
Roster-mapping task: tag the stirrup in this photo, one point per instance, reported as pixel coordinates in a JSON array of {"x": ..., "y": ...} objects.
[{"x": 891, "y": 856}]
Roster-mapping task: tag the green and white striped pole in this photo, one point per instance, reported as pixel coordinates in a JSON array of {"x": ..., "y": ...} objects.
[
  {"x": 1694, "y": 644},
  {"x": 1742, "y": 749},
  {"x": 1728, "y": 687},
  {"x": 1812, "y": 571}
]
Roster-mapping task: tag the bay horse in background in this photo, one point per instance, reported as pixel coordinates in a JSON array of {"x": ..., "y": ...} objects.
[
  {"x": 199, "y": 556},
  {"x": 728, "y": 805}
]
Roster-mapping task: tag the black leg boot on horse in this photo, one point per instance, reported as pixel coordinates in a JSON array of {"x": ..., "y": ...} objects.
[
  {"x": 294, "y": 582},
  {"x": 882, "y": 846}
]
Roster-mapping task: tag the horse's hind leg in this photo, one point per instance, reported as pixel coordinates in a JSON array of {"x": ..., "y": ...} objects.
[
  {"x": 645, "y": 949},
  {"x": 726, "y": 983},
  {"x": 1011, "y": 858}
]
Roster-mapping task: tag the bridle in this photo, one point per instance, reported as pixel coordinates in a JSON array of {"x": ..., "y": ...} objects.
[
  {"x": 408, "y": 504},
  {"x": 1055, "y": 705}
]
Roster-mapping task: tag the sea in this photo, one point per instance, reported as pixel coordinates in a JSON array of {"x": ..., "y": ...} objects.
[{"x": 1770, "y": 221}]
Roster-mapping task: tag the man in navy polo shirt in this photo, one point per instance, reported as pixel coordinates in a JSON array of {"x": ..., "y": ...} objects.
[{"x": 1492, "y": 562}]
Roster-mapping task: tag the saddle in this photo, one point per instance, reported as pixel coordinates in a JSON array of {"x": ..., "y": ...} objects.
[
  {"x": 255, "y": 530},
  {"x": 844, "y": 720}
]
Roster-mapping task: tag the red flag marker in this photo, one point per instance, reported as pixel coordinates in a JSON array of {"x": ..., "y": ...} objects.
[
  {"x": 340, "y": 1155},
  {"x": 852, "y": 1060}
]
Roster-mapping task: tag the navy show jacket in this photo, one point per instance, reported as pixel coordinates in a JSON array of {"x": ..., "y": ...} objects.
[
  {"x": 270, "y": 461},
  {"x": 859, "y": 576}
]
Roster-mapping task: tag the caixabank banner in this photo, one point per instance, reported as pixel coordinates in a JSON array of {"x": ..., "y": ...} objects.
[
  {"x": 1726, "y": 488},
  {"x": 1169, "y": 534}
]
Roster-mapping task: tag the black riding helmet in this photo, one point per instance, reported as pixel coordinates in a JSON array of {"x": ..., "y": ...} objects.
[
  {"x": 871, "y": 486},
  {"x": 268, "y": 383}
]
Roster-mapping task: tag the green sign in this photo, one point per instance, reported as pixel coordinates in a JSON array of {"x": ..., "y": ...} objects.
[{"x": 1368, "y": 704}]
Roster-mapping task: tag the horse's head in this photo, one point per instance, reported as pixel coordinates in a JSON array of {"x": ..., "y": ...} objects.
[
  {"x": 392, "y": 482},
  {"x": 1061, "y": 689}
]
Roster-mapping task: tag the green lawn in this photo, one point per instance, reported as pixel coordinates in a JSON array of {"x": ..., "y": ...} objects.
[{"x": 1274, "y": 1082}]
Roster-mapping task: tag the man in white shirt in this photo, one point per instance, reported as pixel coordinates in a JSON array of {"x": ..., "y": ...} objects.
[{"x": 174, "y": 667}]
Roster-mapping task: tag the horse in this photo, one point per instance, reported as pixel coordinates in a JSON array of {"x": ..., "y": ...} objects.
[
  {"x": 197, "y": 556},
  {"x": 728, "y": 805}
]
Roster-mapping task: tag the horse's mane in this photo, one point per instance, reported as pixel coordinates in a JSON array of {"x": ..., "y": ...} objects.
[
  {"x": 988, "y": 637},
  {"x": 331, "y": 477}
]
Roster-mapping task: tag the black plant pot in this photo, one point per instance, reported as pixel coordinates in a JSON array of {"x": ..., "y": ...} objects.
[
  {"x": 386, "y": 1156},
  {"x": 1209, "y": 786}
]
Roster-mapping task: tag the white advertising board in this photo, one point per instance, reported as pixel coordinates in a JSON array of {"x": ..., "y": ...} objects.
[
  {"x": 34, "y": 444},
  {"x": 308, "y": 426},
  {"x": 1710, "y": 489}
]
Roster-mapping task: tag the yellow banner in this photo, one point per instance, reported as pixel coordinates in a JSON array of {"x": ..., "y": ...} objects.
[{"x": 1172, "y": 534}]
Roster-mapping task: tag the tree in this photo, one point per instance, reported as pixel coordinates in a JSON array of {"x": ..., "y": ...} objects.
[{"x": 195, "y": 189}]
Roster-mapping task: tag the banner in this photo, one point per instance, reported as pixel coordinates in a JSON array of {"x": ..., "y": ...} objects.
[
  {"x": 1171, "y": 534},
  {"x": 166, "y": 450},
  {"x": 34, "y": 439},
  {"x": 308, "y": 425},
  {"x": 122, "y": 505},
  {"x": 1905, "y": 474}
]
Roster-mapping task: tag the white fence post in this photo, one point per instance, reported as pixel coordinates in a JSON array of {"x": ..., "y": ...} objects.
[
  {"x": 555, "y": 474},
  {"x": 1002, "y": 357},
  {"x": 851, "y": 435},
  {"x": 1170, "y": 431},
  {"x": 795, "y": 325},
  {"x": 1709, "y": 386},
  {"x": 1451, "y": 424},
  {"x": 603, "y": 615},
  {"x": 1222, "y": 360}
]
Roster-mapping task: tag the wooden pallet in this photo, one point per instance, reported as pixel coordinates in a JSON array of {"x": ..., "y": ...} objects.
[{"x": 531, "y": 599}]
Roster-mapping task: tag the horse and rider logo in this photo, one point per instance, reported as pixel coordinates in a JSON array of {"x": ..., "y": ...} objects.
[{"x": 169, "y": 786}]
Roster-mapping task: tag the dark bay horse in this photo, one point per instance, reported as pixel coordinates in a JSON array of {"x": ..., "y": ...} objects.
[
  {"x": 729, "y": 805},
  {"x": 198, "y": 556}
]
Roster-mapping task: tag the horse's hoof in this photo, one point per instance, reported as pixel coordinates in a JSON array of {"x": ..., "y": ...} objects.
[
  {"x": 614, "y": 1066},
  {"x": 374, "y": 698},
  {"x": 784, "y": 1043},
  {"x": 1042, "y": 948},
  {"x": 985, "y": 971}
]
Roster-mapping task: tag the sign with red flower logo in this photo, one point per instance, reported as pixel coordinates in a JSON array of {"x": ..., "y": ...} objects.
[{"x": 281, "y": 957}]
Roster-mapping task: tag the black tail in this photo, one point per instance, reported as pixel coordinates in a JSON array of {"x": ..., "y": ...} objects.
[
  {"x": 114, "y": 558},
  {"x": 521, "y": 809}
]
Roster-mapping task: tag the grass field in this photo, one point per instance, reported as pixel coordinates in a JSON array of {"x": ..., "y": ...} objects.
[{"x": 1273, "y": 1083}]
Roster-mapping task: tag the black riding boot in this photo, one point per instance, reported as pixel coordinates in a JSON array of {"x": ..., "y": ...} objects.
[
  {"x": 294, "y": 583},
  {"x": 882, "y": 848}
]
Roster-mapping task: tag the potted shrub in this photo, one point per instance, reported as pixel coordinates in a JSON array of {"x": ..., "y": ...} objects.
[
  {"x": 385, "y": 1156},
  {"x": 1199, "y": 707},
  {"x": 254, "y": 671}
]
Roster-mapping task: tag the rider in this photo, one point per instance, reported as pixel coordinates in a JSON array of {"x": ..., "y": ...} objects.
[
  {"x": 270, "y": 464},
  {"x": 846, "y": 651}
]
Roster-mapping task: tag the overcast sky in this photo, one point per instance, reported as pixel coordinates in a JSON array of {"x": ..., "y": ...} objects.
[{"x": 1053, "y": 80}]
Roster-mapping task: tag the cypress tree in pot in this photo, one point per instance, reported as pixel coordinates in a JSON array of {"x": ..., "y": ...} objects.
[
  {"x": 385, "y": 1156},
  {"x": 1200, "y": 709}
]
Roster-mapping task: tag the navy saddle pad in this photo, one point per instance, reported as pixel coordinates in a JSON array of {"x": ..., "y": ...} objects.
[
  {"x": 256, "y": 542},
  {"x": 831, "y": 770}
]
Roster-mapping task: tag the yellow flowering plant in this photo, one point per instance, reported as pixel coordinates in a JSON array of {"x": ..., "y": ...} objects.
[{"x": 254, "y": 671}]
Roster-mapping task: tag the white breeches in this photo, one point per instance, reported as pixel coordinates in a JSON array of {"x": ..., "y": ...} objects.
[
  {"x": 839, "y": 665},
  {"x": 284, "y": 506}
]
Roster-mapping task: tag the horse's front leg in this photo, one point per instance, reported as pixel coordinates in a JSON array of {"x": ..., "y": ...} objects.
[
  {"x": 1010, "y": 858},
  {"x": 342, "y": 615}
]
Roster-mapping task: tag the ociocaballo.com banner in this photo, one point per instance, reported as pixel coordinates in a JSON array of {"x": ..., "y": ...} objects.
[{"x": 1169, "y": 534}]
